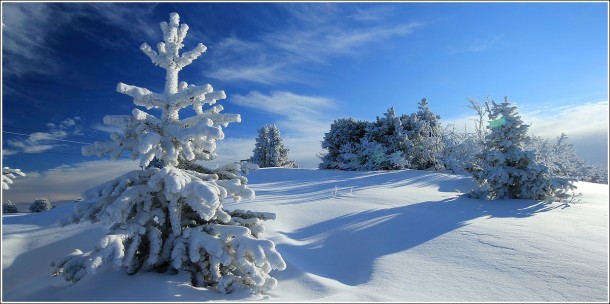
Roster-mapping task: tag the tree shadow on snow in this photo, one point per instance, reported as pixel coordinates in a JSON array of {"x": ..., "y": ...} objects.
[
  {"x": 345, "y": 248},
  {"x": 29, "y": 277},
  {"x": 319, "y": 185}
]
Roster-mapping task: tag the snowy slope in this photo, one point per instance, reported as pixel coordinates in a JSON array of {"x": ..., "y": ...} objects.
[{"x": 359, "y": 236}]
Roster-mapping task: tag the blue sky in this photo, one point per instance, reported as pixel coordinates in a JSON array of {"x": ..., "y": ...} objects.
[{"x": 300, "y": 66}]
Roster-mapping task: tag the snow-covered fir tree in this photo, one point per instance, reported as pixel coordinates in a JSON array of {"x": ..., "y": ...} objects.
[
  {"x": 169, "y": 216},
  {"x": 507, "y": 170},
  {"x": 40, "y": 205},
  {"x": 9, "y": 207},
  {"x": 385, "y": 145},
  {"x": 260, "y": 154},
  {"x": 8, "y": 175},
  {"x": 269, "y": 149},
  {"x": 425, "y": 132},
  {"x": 342, "y": 143}
]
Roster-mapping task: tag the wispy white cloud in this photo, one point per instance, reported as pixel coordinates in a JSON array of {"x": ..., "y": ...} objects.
[
  {"x": 317, "y": 33},
  {"x": 479, "y": 45},
  {"x": 265, "y": 74},
  {"x": 301, "y": 115},
  {"x": 58, "y": 135},
  {"x": 28, "y": 29}
]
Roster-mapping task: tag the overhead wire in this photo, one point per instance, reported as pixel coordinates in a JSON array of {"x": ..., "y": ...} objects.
[
  {"x": 57, "y": 139},
  {"x": 31, "y": 130}
]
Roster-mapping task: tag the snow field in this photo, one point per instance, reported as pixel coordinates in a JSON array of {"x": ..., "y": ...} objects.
[{"x": 385, "y": 236}]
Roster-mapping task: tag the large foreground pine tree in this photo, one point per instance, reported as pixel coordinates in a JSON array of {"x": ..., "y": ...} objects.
[{"x": 169, "y": 217}]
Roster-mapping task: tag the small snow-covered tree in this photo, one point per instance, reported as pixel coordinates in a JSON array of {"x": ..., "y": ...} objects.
[
  {"x": 169, "y": 216},
  {"x": 40, "y": 205},
  {"x": 8, "y": 175},
  {"x": 506, "y": 170},
  {"x": 9, "y": 207},
  {"x": 342, "y": 143},
  {"x": 424, "y": 130},
  {"x": 269, "y": 149}
]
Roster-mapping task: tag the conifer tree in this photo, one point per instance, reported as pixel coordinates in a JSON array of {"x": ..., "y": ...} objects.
[
  {"x": 507, "y": 170},
  {"x": 269, "y": 149},
  {"x": 342, "y": 143},
  {"x": 426, "y": 134},
  {"x": 169, "y": 216},
  {"x": 385, "y": 145},
  {"x": 260, "y": 154}
]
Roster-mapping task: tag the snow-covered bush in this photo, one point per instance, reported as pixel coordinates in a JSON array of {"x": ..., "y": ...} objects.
[
  {"x": 8, "y": 175},
  {"x": 9, "y": 207},
  {"x": 389, "y": 143},
  {"x": 40, "y": 205},
  {"x": 506, "y": 170},
  {"x": 385, "y": 145},
  {"x": 342, "y": 143},
  {"x": 169, "y": 216},
  {"x": 461, "y": 148},
  {"x": 269, "y": 149}
]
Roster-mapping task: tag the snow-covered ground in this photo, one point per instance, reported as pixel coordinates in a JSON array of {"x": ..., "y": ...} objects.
[{"x": 358, "y": 236}]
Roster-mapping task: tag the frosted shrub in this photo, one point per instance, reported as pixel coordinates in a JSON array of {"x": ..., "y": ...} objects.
[
  {"x": 562, "y": 160},
  {"x": 39, "y": 205},
  {"x": 461, "y": 149},
  {"x": 9, "y": 207},
  {"x": 169, "y": 217}
]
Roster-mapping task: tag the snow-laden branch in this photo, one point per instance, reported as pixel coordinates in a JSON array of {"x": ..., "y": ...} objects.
[
  {"x": 142, "y": 96},
  {"x": 230, "y": 243},
  {"x": 8, "y": 175}
]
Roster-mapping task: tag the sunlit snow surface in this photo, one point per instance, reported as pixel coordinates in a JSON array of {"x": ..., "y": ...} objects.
[{"x": 358, "y": 236}]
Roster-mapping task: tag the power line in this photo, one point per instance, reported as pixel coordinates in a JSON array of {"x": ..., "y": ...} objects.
[
  {"x": 65, "y": 140},
  {"x": 48, "y": 152},
  {"x": 25, "y": 129}
]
